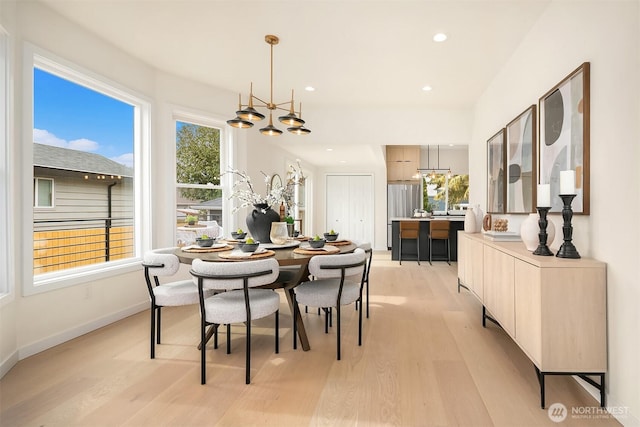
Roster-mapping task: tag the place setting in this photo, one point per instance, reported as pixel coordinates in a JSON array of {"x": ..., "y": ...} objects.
[
  {"x": 205, "y": 244},
  {"x": 317, "y": 245},
  {"x": 248, "y": 250}
]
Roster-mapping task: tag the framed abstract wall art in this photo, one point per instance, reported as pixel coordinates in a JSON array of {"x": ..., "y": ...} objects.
[
  {"x": 521, "y": 162},
  {"x": 564, "y": 137},
  {"x": 496, "y": 156}
]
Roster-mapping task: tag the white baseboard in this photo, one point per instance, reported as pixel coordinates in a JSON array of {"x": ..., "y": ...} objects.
[
  {"x": 69, "y": 334},
  {"x": 8, "y": 363},
  {"x": 619, "y": 412}
]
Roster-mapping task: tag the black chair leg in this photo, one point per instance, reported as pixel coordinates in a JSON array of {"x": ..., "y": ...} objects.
[
  {"x": 295, "y": 326},
  {"x": 203, "y": 367},
  {"x": 338, "y": 334},
  {"x": 326, "y": 320},
  {"x": 248, "y": 363},
  {"x": 367, "y": 283},
  {"x": 153, "y": 332},
  {"x": 159, "y": 318},
  {"x": 228, "y": 338},
  {"x": 277, "y": 332},
  {"x": 360, "y": 326}
]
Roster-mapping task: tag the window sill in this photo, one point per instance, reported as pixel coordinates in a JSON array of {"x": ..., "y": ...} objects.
[{"x": 52, "y": 281}]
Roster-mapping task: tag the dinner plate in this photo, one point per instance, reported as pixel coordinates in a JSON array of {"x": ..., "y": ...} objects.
[
  {"x": 289, "y": 244},
  {"x": 214, "y": 246}
]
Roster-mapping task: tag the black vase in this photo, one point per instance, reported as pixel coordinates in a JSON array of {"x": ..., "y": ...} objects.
[{"x": 259, "y": 222}]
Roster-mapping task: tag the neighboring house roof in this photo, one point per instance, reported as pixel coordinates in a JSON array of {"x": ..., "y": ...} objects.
[
  {"x": 48, "y": 156},
  {"x": 211, "y": 205}
]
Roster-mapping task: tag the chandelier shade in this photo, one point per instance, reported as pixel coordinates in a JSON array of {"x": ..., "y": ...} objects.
[
  {"x": 238, "y": 123},
  {"x": 270, "y": 130},
  {"x": 247, "y": 114},
  {"x": 251, "y": 114},
  {"x": 300, "y": 130}
]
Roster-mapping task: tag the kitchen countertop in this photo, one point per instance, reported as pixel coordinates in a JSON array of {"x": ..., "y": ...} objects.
[{"x": 433, "y": 218}]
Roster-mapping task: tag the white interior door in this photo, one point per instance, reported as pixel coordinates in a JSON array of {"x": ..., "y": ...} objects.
[{"x": 350, "y": 206}]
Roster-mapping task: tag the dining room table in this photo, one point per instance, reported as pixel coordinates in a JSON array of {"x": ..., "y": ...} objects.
[{"x": 294, "y": 253}]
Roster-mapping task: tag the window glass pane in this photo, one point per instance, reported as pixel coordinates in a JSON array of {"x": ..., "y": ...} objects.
[
  {"x": 44, "y": 193},
  {"x": 458, "y": 189},
  {"x": 85, "y": 141},
  {"x": 443, "y": 192},
  {"x": 199, "y": 192}
]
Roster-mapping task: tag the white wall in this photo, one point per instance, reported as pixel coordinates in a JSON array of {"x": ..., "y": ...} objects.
[{"x": 607, "y": 35}]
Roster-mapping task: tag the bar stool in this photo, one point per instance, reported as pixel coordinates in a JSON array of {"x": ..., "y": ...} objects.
[
  {"x": 439, "y": 230},
  {"x": 409, "y": 230}
]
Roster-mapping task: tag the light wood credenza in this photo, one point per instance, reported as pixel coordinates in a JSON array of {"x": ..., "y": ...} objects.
[{"x": 555, "y": 309}]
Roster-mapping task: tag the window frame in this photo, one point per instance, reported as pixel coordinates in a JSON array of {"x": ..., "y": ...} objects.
[
  {"x": 6, "y": 180},
  {"x": 36, "y": 193},
  {"x": 211, "y": 121},
  {"x": 36, "y": 57}
]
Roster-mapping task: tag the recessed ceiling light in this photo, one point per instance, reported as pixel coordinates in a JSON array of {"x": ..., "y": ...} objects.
[
  {"x": 343, "y": 161},
  {"x": 426, "y": 88},
  {"x": 329, "y": 149},
  {"x": 440, "y": 37},
  {"x": 309, "y": 88}
]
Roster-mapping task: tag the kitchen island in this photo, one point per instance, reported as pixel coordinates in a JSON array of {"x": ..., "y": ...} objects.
[{"x": 409, "y": 248}]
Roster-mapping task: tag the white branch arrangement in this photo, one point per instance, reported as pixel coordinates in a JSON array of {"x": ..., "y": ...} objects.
[{"x": 244, "y": 190}]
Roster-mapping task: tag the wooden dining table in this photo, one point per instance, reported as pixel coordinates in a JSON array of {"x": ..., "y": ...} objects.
[{"x": 286, "y": 256}]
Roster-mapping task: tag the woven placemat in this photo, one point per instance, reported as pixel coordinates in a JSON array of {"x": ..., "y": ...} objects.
[
  {"x": 265, "y": 254},
  {"x": 341, "y": 242},
  {"x": 327, "y": 250},
  {"x": 205, "y": 250}
]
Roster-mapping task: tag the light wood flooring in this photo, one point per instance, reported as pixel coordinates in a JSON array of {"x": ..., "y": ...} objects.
[{"x": 425, "y": 361}]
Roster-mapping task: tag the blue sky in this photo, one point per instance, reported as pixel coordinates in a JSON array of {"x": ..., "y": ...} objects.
[{"x": 71, "y": 116}]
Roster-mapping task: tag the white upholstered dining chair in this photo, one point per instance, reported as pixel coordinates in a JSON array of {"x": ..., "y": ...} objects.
[
  {"x": 237, "y": 300},
  {"x": 164, "y": 263},
  {"x": 338, "y": 281}
]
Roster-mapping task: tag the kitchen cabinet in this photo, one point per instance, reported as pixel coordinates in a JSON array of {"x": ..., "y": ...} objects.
[
  {"x": 410, "y": 249},
  {"x": 402, "y": 163},
  {"x": 553, "y": 308}
]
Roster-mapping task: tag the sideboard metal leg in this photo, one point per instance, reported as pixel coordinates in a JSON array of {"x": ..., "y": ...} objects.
[
  {"x": 540, "y": 376},
  {"x": 486, "y": 317},
  {"x": 460, "y": 285}
]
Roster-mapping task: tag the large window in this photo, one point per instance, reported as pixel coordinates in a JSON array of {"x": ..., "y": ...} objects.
[
  {"x": 445, "y": 192},
  {"x": 198, "y": 189},
  {"x": 88, "y": 136}
]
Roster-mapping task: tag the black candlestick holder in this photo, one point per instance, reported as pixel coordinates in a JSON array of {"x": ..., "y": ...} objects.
[
  {"x": 567, "y": 250},
  {"x": 542, "y": 248}
]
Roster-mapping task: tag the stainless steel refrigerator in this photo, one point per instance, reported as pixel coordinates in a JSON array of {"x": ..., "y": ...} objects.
[{"x": 402, "y": 200}]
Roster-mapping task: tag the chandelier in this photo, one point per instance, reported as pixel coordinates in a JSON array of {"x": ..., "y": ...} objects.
[{"x": 247, "y": 114}]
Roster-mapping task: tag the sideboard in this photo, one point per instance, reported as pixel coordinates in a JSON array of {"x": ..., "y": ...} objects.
[{"x": 553, "y": 308}]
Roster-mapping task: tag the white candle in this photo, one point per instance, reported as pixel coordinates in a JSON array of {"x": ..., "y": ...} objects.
[
  {"x": 568, "y": 182},
  {"x": 544, "y": 195}
]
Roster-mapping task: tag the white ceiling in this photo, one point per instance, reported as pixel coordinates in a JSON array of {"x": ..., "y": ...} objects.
[{"x": 357, "y": 54}]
